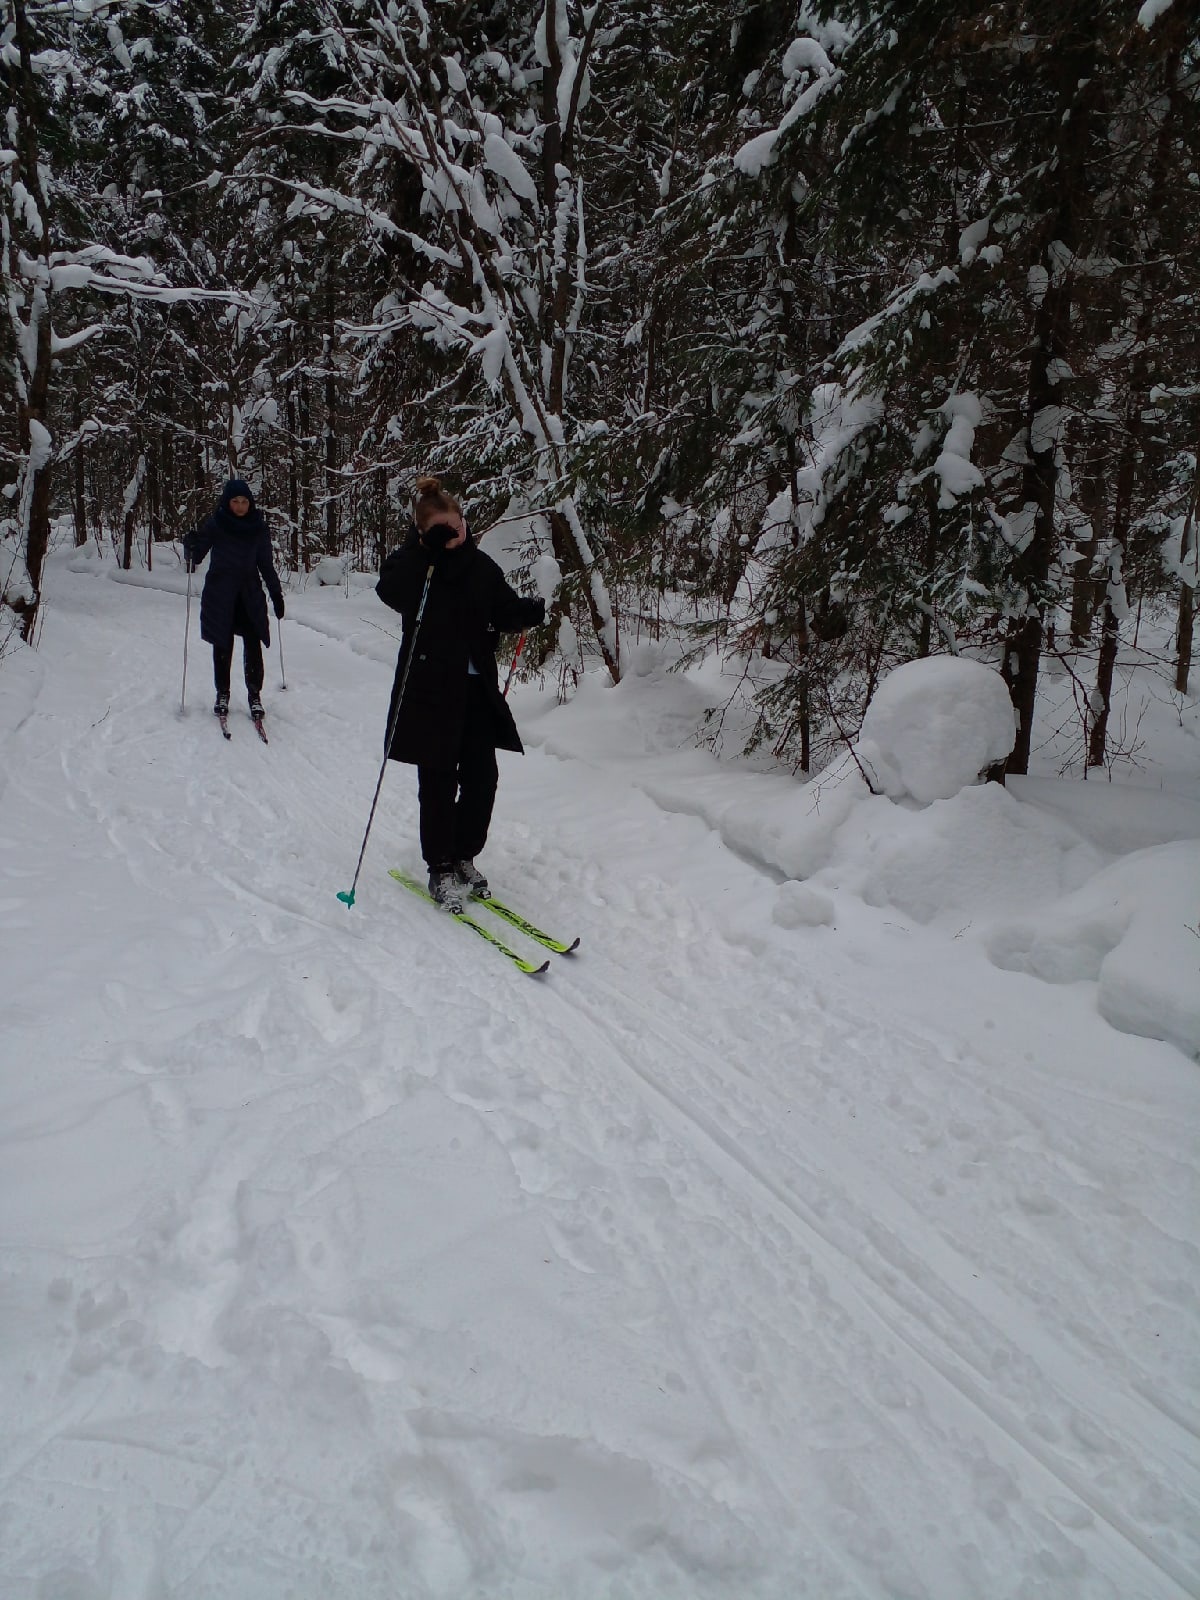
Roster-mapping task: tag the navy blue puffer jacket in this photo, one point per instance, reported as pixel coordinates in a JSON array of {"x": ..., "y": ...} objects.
[{"x": 233, "y": 600}]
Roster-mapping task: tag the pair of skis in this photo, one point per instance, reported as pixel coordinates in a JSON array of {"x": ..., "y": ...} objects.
[
  {"x": 506, "y": 914},
  {"x": 223, "y": 719}
]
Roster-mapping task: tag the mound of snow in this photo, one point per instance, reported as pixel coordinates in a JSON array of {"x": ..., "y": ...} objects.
[
  {"x": 980, "y": 855},
  {"x": 330, "y": 571},
  {"x": 934, "y": 727},
  {"x": 1133, "y": 929},
  {"x": 798, "y": 906}
]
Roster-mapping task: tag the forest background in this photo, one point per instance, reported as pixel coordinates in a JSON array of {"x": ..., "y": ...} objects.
[{"x": 828, "y": 335}]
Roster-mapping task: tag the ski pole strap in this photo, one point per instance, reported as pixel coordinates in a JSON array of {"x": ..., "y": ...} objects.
[{"x": 512, "y": 666}]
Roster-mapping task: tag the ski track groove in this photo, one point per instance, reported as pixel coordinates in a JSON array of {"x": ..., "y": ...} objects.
[
  {"x": 951, "y": 1298},
  {"x": 964, "y": 1383}
]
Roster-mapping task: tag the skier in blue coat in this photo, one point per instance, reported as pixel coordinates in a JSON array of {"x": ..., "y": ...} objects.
[{"x": 233, "y": 601}]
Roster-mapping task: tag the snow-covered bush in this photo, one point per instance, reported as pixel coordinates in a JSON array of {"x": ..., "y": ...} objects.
[
  {"x": 935, "y": 726},
  {"x": 330, "y": 571}
]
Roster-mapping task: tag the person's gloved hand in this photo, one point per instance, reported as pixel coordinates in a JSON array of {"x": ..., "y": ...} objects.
[
  {"x": 279, "y": 608},
  {"x": 438, "y": 535}
]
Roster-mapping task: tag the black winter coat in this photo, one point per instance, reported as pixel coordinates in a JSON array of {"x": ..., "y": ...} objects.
[
  {"x": 470, "y": 605},
  {"x": 233, "y": 599}
]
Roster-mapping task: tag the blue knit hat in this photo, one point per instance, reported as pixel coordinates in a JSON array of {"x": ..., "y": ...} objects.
[{"x": 234, "y": 488}]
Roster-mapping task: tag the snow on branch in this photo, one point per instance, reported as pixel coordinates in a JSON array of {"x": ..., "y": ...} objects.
[
  {"x": 504, "y": 162},
  {"x": 802, "y": 56},
  {"x": 901, "y": 301},
  {"x": 335, "y": 200},
  {"x": 1151, "y": 11},
  {"x": 955, "y": 470}
]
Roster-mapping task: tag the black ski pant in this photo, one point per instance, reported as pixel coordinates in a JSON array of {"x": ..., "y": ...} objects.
[
  {"x": 252, "y": 660},
  {"x": 456, "y": 802}
]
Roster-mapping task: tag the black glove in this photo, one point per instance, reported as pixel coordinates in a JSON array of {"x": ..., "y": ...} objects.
[
  {"x": 279, "y": 608},
  {"x": 438, "y": 536}
]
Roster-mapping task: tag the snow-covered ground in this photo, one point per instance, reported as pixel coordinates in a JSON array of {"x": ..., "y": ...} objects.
[{"x": 827, "y": 1227}]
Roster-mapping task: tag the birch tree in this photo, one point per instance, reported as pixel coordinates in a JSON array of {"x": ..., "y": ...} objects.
[{"x": 491, "y": 272}]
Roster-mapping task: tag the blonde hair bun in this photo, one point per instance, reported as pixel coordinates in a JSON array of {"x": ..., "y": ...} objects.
[{"x": 431, "y": 503}]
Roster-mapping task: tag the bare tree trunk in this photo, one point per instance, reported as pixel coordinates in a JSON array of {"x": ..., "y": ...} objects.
[
  {"x": 199, "y": 478},
  {"x": 331, "y": 439},
  {"x": 168, "y": 489},
  {"x": 1187, "y": 594},
  {"x": 925, "y": 642},
  {"x": 1085, "y": 592},
  {"x": 33, "y": 436},
  {"x": 381, "y": 537},
  {"x": 1022, "y": 656},
  {"x": 803, "y": 637},
  {"x": 306, "y": 471},
  {"x": 566, "y": 552},
  {"x": 79, "y": 485},
  {"x": 1079, "y": 94},
  {"x": 293, "y": 465},
  {"x": 804, "y": 696},
  {"x": 1135, "y": 429},
  {"x": 1110, "y": 636},
  {"x": 154, "y": 530}
]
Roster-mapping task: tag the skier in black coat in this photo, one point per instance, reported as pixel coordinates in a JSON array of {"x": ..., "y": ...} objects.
[
  {"x": 233, "y": 601},
  {"x": 452, "y": 718}
]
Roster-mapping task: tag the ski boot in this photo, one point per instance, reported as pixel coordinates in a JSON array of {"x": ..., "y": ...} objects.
[
  {"x": 444, "y": 889},
  {"x": 472, "y": 880}
]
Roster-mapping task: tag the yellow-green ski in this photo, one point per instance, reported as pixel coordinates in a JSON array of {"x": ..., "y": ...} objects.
[
  {"x": 469, "y": 922},
  {"x": 529, "y": 929}
]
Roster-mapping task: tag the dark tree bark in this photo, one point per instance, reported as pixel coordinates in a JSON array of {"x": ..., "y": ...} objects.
[
  {"x": 1078, "y": 93},
  {"x": 33, "y": 402},
  {"x": 1187, "y": 595}
]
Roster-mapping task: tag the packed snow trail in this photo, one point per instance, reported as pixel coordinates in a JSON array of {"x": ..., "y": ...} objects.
[{"x": 339, "y": 1258}]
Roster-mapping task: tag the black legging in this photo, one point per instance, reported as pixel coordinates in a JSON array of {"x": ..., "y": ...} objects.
[
  {"x": 456, "y": 802},
  {"x": 252, "y": 660}
]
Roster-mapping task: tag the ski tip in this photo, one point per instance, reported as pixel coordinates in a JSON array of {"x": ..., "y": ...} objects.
[
  {"x": 346, "y": 896},
  {"x": 536, "y": 972}
]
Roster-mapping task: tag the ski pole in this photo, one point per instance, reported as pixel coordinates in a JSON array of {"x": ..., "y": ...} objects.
[
  {"x": 187, "y": 628},
  {"x": 282, "y": 673},
  {"x": 347, "y": 896},
  {"x": 513, "y": 663}
]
